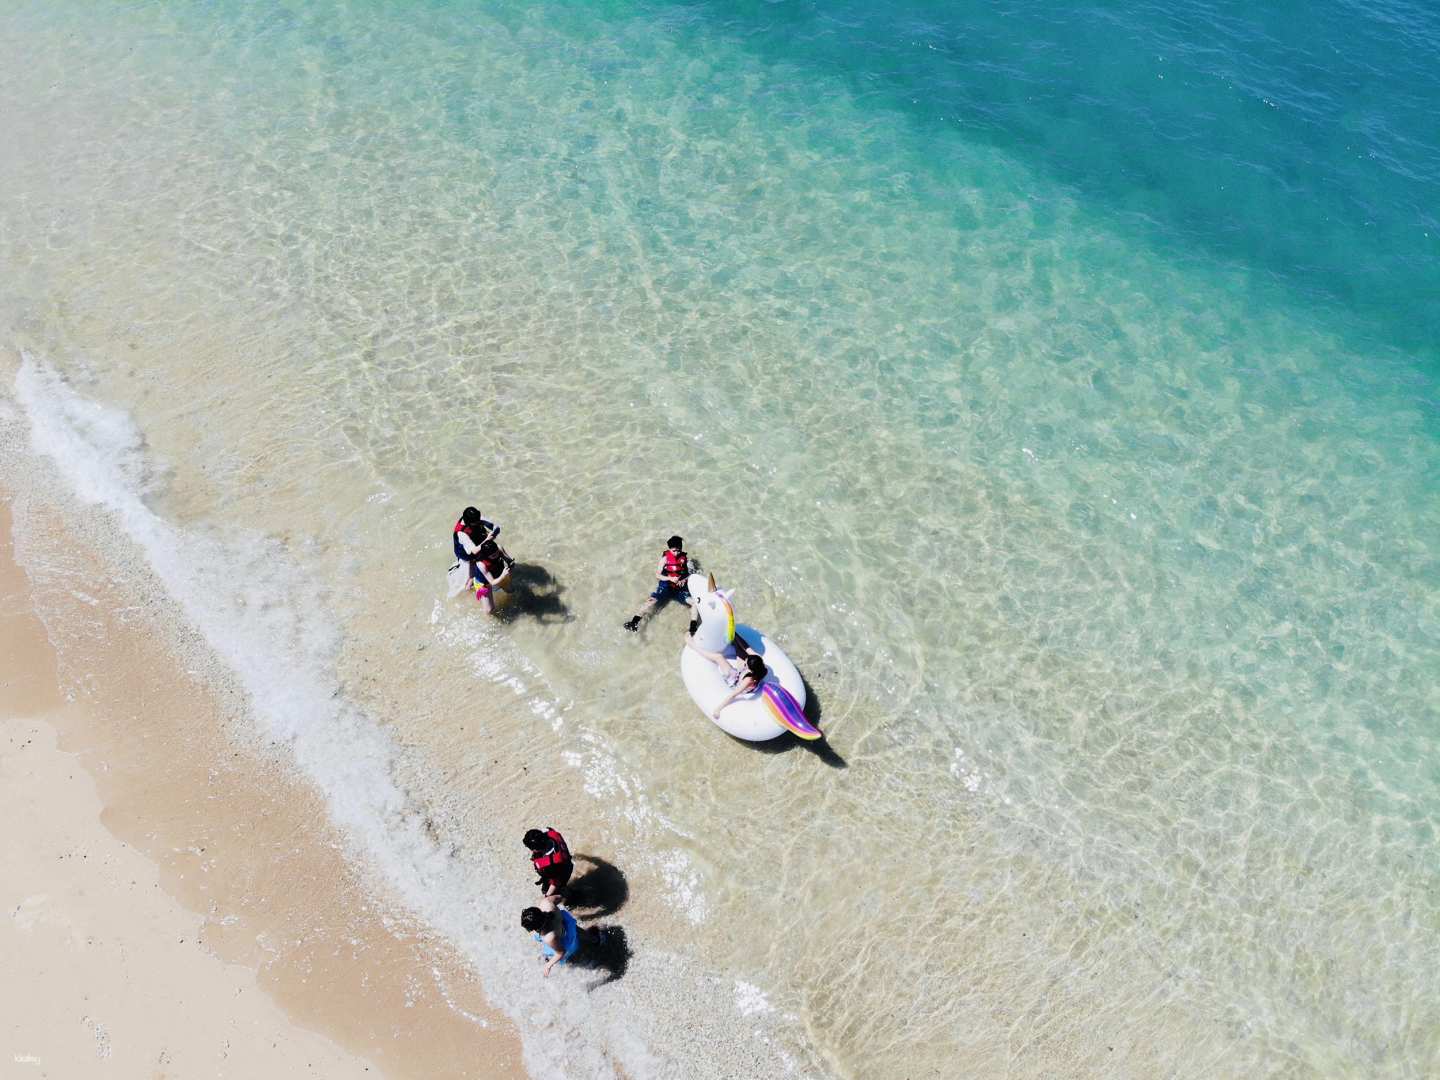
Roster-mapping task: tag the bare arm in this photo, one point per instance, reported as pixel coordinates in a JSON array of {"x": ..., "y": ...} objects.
[
  {"x": 746, "y": 685},
  {"x": 550, "y": 903},
  {"x": 550, "y": 940}
]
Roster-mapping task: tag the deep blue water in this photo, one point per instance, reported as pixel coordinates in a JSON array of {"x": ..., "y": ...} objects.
[
  {"x": 1118, "y": 323},
  {"x": 1300, "y": 140}
]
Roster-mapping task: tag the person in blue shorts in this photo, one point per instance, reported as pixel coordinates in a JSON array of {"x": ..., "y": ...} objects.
[{"x": 671, "y": 581}]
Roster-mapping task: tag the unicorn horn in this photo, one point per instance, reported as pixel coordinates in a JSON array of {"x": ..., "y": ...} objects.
[{"x": 712, "y": 582}]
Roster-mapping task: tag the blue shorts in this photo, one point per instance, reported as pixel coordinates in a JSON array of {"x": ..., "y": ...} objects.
[{"x": 665, "y": 590}]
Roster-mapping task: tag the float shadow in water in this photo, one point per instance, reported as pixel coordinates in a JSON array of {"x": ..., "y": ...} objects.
[{"x": 820, "y": 747}]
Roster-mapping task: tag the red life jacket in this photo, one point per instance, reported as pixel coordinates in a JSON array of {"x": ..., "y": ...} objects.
[
  {"x": 556, "y": 858},
  {"x": 677, "y": 564},
  {"x": 460, "y": 527}
]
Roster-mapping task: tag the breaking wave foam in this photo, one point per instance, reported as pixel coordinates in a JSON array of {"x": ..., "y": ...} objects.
[{"x": 270, "y": 623}]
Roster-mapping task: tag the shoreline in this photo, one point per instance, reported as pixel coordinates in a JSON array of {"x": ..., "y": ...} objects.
[
  {"x": 245, "y": 863},
  {"x": 248, "y": 683}
]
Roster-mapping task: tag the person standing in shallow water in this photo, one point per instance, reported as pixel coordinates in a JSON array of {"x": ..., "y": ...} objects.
[
  {"x": 469, "y": 533},
  {"x": 551, "y": 856},
  {"x": 675, "y": 567},
  {"x": 560, "y": 936},
  {"x": 490, "y": 571}
]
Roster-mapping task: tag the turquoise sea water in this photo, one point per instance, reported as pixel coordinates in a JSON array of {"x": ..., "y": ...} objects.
[{"x": 1058, "y": 384}]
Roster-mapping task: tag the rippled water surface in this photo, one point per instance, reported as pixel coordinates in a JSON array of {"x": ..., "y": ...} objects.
[{"x": 1058, "y": 385}]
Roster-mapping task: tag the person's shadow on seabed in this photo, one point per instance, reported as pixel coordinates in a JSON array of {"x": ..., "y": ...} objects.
[{"x": 601, "y": 890}]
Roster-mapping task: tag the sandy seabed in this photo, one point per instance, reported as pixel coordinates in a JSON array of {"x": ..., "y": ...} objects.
[{"x": 175, "y": 904}]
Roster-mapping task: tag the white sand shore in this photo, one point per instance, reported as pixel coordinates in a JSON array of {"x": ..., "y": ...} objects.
[
  {"x": 103, "y": 967},
  {"x": 173, "y": 905}
]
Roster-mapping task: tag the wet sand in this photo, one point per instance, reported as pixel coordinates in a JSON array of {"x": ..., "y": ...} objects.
[{"x": 179, "y": 905}]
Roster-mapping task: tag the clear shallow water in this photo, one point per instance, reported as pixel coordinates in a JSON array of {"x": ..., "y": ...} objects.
[{"x": 1098, "y": 507}]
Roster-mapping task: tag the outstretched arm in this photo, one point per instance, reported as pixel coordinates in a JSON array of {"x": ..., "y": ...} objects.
[
  {"x": 550, "y": 902},
  {"x": 550, "y": 940},
  {"x": 746, "y": 685}
]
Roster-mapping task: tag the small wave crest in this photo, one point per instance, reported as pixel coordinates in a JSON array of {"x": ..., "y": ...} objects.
[{"x": 266, "y": 615}]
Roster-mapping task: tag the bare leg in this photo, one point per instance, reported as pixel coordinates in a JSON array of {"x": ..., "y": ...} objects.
[{"x": 633, "y": 623}]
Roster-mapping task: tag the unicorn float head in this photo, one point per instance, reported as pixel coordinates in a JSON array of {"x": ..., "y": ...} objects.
[
  {"x": 717, "y": 615},
  {"x": 776, "y": 706}
]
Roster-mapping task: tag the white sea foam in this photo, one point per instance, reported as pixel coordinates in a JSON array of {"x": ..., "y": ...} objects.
[
  {"x": 270, "y": 623},
  {"x": 750, "y": 999}
]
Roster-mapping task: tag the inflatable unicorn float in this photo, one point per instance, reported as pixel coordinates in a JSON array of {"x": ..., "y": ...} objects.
[{"x": 777, "y": 705}]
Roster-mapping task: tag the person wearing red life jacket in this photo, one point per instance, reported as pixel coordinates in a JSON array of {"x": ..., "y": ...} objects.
[
  {"x": 470, "y": 532},
  {"x": 490, "y": 571},
  {"x": 470, "y": 536},
  {"x": 551, "y": 856},
  {"x": 671, "y": 581}
]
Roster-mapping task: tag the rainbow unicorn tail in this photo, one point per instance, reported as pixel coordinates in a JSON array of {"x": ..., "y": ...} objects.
[{"x": 787, "y": 712}]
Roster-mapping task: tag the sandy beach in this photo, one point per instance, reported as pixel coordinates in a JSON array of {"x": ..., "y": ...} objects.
[
  {"x": 177, "y": 907},
  {"x": 1056, "y": 386}
]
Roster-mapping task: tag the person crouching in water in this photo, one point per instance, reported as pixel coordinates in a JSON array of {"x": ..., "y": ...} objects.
[
  {"x": 560, "y": 936},
  {"x": 751, "y": 676},
  {"x": 489, "y": 571},
  {"x": 675, "y": 567},
  {"x": 551, "y": 856}
]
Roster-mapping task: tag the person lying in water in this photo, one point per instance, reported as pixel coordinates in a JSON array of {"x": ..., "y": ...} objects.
[
  {"x": 490, "y": 571},
  {"x": 560, "y": 936},
  {"x": 751, "y": 676}
]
